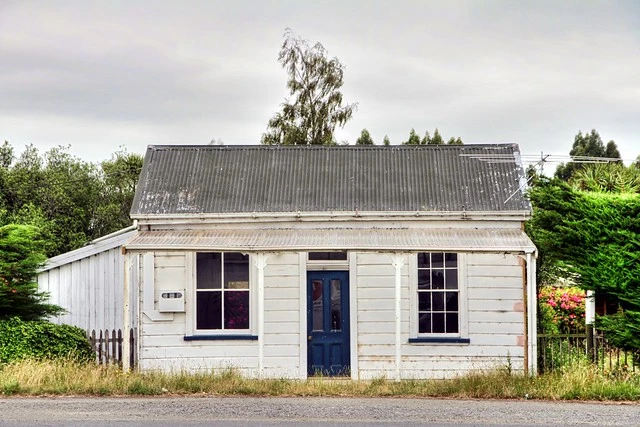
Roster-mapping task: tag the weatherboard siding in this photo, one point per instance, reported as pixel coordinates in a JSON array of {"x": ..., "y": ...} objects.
[
  {"x": 495, "y": 320},
  {"x": 163, "y": 345},
  {"x": 494, "y": 326},
  {"x": 375, "y": 278},
  {"x": 282, "y": 315}
]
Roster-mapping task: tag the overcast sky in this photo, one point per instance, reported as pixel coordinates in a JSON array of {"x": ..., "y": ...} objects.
[{"x": 103, "y": 75}]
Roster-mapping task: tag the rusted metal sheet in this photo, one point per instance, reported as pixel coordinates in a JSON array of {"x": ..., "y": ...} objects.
[
  {"x": 234, "y": 179},
  {"x": 446, "y": 239}
]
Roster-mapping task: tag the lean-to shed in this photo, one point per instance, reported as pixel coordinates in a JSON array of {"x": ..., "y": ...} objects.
[{"x": 89, "y": 284}]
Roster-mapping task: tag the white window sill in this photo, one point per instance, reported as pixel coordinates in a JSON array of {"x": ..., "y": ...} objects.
[
  {"x": 439, "y": 340},
  {"x": 221, "y": 337}
]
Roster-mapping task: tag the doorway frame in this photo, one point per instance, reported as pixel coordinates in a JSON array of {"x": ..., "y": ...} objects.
[{"x": 349, "y": 266}]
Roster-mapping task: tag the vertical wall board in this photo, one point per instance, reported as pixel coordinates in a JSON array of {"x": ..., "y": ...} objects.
[
  {"x": 66, "y": 292},
  {"x": 118, "y": 287},
  {"x": 88, "y": 283},
  {"x": 54, "y": 288},
  {"x": 91, "y": 275}
]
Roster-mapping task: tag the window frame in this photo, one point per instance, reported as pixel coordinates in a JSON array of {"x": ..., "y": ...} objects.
[
  {"x": 461, "y": 337},
  {"x": 338, "y": 264},
  {"x": 193, "y": 333}
]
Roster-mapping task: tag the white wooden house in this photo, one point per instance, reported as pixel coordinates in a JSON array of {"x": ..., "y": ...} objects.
[{"x": 402, "y": 261}]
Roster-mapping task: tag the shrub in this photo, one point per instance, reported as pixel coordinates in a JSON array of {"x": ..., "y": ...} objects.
[
  {"x": 21, "y": 255},
  {"x": 41, "y": 340},
  {"x": 561, "y": 310}
]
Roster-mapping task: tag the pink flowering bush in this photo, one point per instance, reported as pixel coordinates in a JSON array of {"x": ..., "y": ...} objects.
[{"x": 561, "y": 310}]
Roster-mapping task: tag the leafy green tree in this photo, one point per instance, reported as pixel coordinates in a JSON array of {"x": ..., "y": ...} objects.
[
  {"x": 607, "y": 177},
  {"x": 426, "y": 139},
  {"x": 611, "y": 151},
  {"x": 6, "y": 155},
  {"x": 32, "y": 215},
  {"x": 69, "y": 200},
  {"x": 594, "y": 239},
  {"x": 414, "y": 139},
  {"x": 61, "y": 187},
  {"x": 21, "y": 255},
  {"x": 436, "y": 139},
  {"x": 589, "y": 145},
  {"x": 386, "y": 141},
  {"x": 119, "y": 180},
  {"x": 364, "y": 138},
  {"x": 316, "y": 107}
]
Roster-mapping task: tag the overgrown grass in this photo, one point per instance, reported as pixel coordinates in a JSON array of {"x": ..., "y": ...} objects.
[{"x": 69, "y": 377}]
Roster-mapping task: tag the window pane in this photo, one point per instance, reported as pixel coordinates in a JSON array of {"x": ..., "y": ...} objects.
[
  {"x": 437, "y": 260},
  {"x": 438, "y": 301},
  {"x": 452, "y": 301},
  {"x": 209, "y": 310},
  {"x": 236, "y": 310},
  {"x": 437, "y": 279},
  {"x": 438, "y": 323},
  {"x": 424, "y": 301},
  {"x": 452, "y": 323},
  {"x": 317, "y": 305},
  {"x": 424, "y": 326},
  {"x": 451, "y": 279},
  {"x": 450, "y": 260},
  {"x": 424, "y": 279},
  {"x": 236, "y": 271},
  {"x": 209, "y": 270},
  {"x": 336, "y": 305},
  {"x": 423, "y": 260},
  {"x": 328, "y": 256}
]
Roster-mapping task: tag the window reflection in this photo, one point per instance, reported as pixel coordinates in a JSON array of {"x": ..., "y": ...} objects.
[{"x": 318, "y": 305}]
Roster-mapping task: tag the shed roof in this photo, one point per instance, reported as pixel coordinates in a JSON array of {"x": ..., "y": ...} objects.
[
  {"x": 179, "y": 179},
  {"x": 105, "y": 243}
]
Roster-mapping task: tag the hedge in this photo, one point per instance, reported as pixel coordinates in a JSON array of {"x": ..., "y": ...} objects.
[{"x": 42, "y": 340}]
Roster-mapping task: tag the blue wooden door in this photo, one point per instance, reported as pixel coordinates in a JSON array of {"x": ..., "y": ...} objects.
[{"x": 328, "y": 323}]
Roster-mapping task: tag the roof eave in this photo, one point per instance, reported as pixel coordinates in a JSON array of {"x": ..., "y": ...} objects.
[{"x": 521, "y": 215}]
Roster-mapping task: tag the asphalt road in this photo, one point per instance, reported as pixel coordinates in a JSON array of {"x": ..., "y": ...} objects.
[{"x": 240, "y": 411}]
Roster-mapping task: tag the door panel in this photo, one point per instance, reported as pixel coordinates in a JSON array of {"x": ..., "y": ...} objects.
[{"x": 328, "y": 323}]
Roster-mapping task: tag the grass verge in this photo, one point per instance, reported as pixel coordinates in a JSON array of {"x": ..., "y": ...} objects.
[{"x": 68, "y": 377}]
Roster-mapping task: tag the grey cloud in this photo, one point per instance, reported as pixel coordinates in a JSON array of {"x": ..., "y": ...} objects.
[{"x": 156, "y": 72}]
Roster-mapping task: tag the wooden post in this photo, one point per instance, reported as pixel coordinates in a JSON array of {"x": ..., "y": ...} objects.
[
  {"x": 132, "y": 348},
  {"x": 589, "y": 318},
  {"x": 260, "y": 261},
  {"x": 398, "y": 263},
  {"x": 107, "y": 347},
  {"x": 126, "y": 345},
  {"x": 100, "y": 348},
  {"x": 119, "y": 357},
  {"x": 114, "y": 346}
]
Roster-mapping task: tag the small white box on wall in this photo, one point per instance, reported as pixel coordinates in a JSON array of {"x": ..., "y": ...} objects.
[{"x": 171, "y": 302}]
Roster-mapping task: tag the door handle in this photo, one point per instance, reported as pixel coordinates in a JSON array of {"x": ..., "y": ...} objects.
[{"x": 309, "y": 338}]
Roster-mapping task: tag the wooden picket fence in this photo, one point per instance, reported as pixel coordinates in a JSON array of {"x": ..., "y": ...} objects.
[{"x": 107, "y": 346}]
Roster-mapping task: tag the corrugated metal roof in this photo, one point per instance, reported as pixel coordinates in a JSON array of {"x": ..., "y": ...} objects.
[
  {"x": 441, "y": 239},
  {"x": 232, "y": 179}
]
